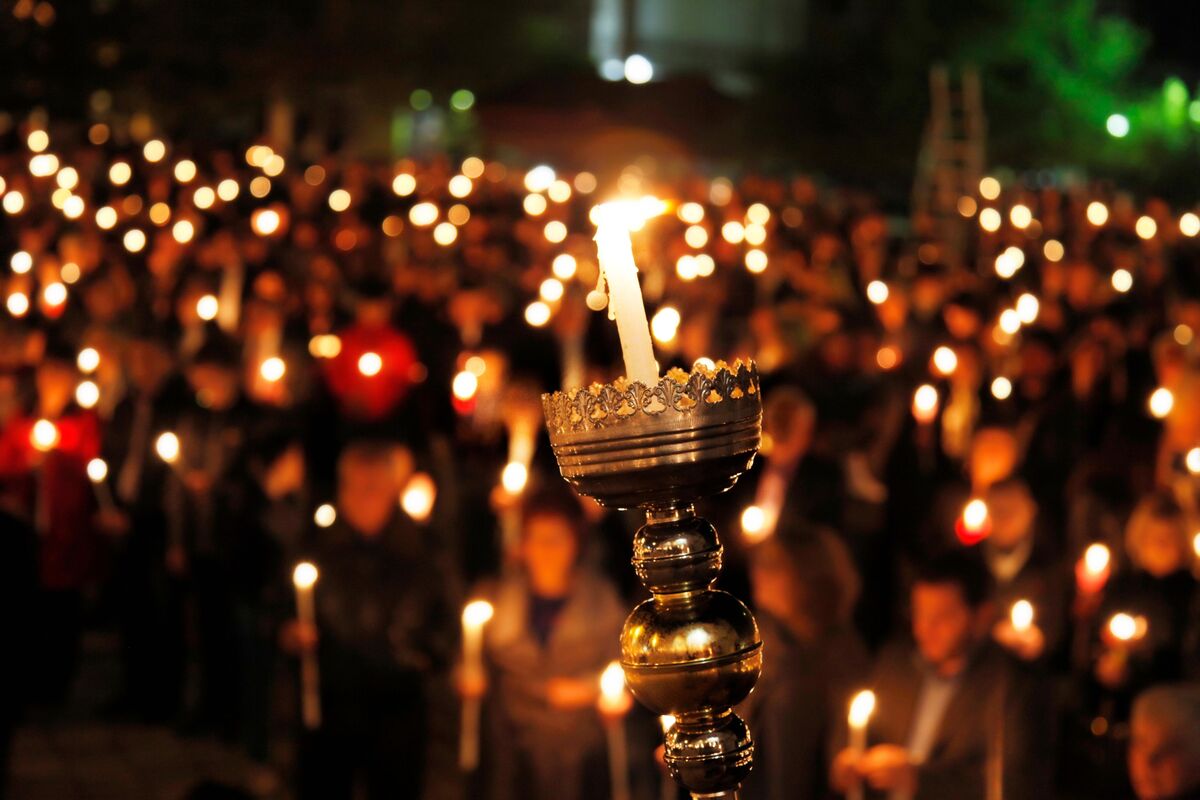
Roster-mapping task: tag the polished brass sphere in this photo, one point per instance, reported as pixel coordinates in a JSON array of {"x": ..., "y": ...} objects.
[{"x": 690, "y": 651}]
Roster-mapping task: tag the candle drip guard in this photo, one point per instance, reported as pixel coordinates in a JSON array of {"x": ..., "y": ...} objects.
[{"x": 690, "y": 651}]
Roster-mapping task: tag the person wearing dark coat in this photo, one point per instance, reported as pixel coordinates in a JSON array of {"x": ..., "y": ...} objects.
[{"x": 955, "y": 716}]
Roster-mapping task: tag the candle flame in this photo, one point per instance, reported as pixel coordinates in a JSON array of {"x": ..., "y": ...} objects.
[
  {"x": 477, "y": 613},
  {"x": 1022, "y": 615},
  {"x": 861, "y": 708},
  {"x": 1097, "y": 558},
  {"x": 97, "y": 470},
  {"x": 667, "y": 721},
  {"x": 44, "y": 435},
  {"x": 304, "y": 575},
  {"x": 167, "y": 447},
  {"x": 1126, "y": 628},
  {"x": 325, "y": 515},
  {"x": 925, "y": 403},
  {"x": 419, "y": 496},
  {"x": 612, "y": 682},
  {"x": 514, "y": 477}
]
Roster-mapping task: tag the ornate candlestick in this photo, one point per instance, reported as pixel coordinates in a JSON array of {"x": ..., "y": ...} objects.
[{"x": 691, "y": 651}]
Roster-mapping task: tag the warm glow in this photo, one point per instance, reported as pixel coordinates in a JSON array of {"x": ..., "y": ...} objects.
[
  {"x": 1009, "y": 262},
  {"x": 167, "y": 447},
  {"x": 877, "y": 292},
  {"x": 185, "y": 170},
  {"x": 754, "y": 521},
  {"x": 228, "y": 189},
  {"x": 304, "y": 575},
  {"x": 272, "y": 369},
  {"x": 1123, "y": 627},
  {"x": 476, "y": 614},
  {"x": 551, "y": 290},
  {"x": 564, "y": 266},
  {"x": 445, "y": 234},
  {"x": 691, "y": 213},
  {"x": 21, "y": 262},
  {"x": 1053, "y": 250},
  {"x": 17, "y": 304},
  {"x": 1021, "y": 615},
  {"x": 733, "y": 232},
  {"x": 1028, "y": 308},
  {"x": 861, "y": 709},
  {"x": 106, "y": 217},
  {"x": 325, "y": 515},
  {"x": 1002, "y": 388},
  {"x": 44, "y": 435},
  {"x": 1010, "y": 321},
  {"x": 1161, "y": 402},
  {"x": 756, "y": 261},
  {"x": 612, "y": 682},
  {"x": 97, "y": 470},
  {"x": 1192, "y": 460},
  {"x": 990, "y": 220},
  {"x": 134, "y": 240},
  {"x": 887, "y": 357},
  {"x": 537, "y": 313},
  {"x": 204, "y": 197},
  {"x": 1146, "y": 227},
  {"x": 37, "y": 140},
  {"x": 325, "y": 345},
  {"x": 555, "y": 231},
  {"x": 539, "y": 178},
  {"x": 465, "y": 385},
  {"x": 989, "y": 188},
  {"x": 1097, "y": 213},
  {"x": 967, "y": 206},
  {"x": 665, "y": 324},
  {"x": 695, "y": 236},
  {"x": 183, "y": 231},
  {"x": 975, "y": 514},
  {"x": 460, "y": 186},
  {"x": 513, "y": 477},
  {"x": 534, "y": 205},
  {"x": 14, "y": 202},
  {"x": 1096, "y": 558},
  {"x": 1189, "y": 224},
  {"x": 1122, "y": 280},
  {"x": 370, "y": 364},
  {"x": 207, "y": 307},
  {"x": 925, "y": 403},
  {"x": 945, "y": 361},
  {"x": 404, "y": 184},
  {"x": 419, "y": 496},
  {"x": 1020, "y": 216},
  {"x": 265, "y": 221},
  {"x": 87, "y": 394},
  {"x": 339, "y": 200},
  {"x": 423, "y": 214},
  {"x": 54, "y": 294}
]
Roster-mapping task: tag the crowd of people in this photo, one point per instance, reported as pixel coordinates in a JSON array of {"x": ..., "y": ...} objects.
[{"x": 978, "y": 494}]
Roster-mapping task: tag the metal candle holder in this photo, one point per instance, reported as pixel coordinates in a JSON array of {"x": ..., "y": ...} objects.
[{"x": 691, "y": 651}]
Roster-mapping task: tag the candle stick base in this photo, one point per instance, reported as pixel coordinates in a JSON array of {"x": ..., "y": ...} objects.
[{"x": 690, "y": 651}]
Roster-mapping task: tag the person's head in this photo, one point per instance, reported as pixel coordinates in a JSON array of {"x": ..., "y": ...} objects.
[
  {"x": 368, "y": 486},
  {"x": 148, "y": 363},
  {"x": 993, "y": 457},
  {"x": 552, "y": 530},
  {"x": 789, "y": 418},
  {"x": 1156, "y": 537},
  {"x": 949, "y": 607},
  {"x": 806, "y": 579},
  {"x": 213, "y": 373},
  {"x": 1164, "y": 742},
  {"x": 1013, "y": 511}
]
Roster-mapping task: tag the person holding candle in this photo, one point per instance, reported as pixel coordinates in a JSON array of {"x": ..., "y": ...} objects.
[
  {"x": 804, "y": 588},
  {"x": 954, "y": 715},
  {"x": 384, "y": 625},
  {"x": 555, "y": 629}
]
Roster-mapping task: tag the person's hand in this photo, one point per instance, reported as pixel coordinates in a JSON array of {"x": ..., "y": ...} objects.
[
  {"x": 1112, "y": 669},
  {"x": 112, "y": 522},
  {"x": 1027, "y": 644},
  {"x": 889, "y": 768},
  {"x": 298, "y": 638},
  {"x": 567, "y": 694},
  {"x": 844, "y": 773}
]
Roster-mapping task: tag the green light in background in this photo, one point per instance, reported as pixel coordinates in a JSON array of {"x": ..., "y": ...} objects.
[
  {"x": 462, "y": 99},
  {"x": 1117, "y": 125},
  {"x": 1194, "y": 111},
  {"x": 420, "y": 99},
  {"x": 1175, "y": 92}
]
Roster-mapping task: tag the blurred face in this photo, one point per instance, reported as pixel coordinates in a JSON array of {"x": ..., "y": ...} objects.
[
  {"x": 215, "y": 386},
  {"x": 55, "y": 386},
  {"x": 368, "y": 494},
  {"x": 148, "y": 365},
  {"x": 943, "y": 624},
  {"x": 1012, "y": 513},
  {"x": 993, "y": 457},
  {"x": 549, "y": 550},
  {"x": 1162, "y": 550},
  {"x": 1158, "y": 767}
]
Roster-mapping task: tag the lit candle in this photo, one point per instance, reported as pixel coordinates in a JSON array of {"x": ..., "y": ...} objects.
[
  {"x": 1092, "y": 570},
  {"x": 522, "y": 438},
  {"x": 614, "y": 703},
  {"x": 925, "y": 403},
  {"x": 1021, "y": 616},
  {"x": 304, "y": 577},
  {"x": 476, "y": 614},
  {"x": 668, "y": 790},
  {"x": 861, "y": 709},
  {"x": 167, "y": 447},
  {"x": 419, "y": 496},
  {"x": 615, "y": 249},
  {"x": 974, "y": 524},
  {"x": 97, "y": 472}
]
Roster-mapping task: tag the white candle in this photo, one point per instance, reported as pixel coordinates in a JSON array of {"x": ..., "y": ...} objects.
[
  {"x": 614, "y": 703},
  {"x": 475, "y": 616},
  {"x": 97, "y": 471},
  {"x": 615, "y": 249},
  {"x": 861, "y": 708},
  {"x": 304, "y": 577},
  {"x": 1092, "y": 571}
]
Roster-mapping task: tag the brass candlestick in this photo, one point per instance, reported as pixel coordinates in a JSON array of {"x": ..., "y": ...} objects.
[{"x": 691, "y": 651}]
